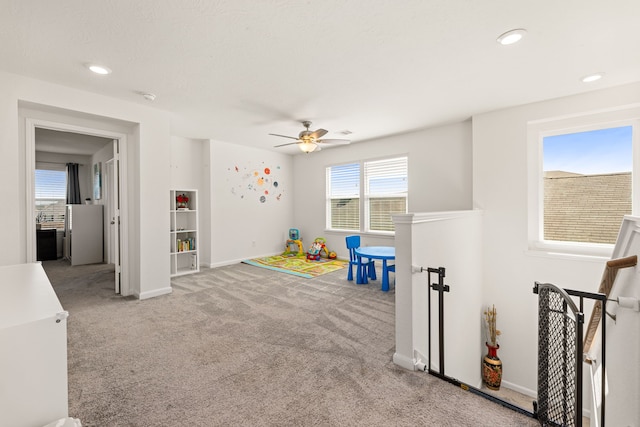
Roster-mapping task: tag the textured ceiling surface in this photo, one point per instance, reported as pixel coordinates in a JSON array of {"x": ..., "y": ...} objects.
[{"x": 237, "y": 70}]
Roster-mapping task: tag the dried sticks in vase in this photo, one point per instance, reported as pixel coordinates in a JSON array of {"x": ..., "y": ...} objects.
[{"x": 490, "y": 316}]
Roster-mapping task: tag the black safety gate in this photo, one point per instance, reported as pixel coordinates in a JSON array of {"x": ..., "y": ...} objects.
[
  {"x": 560, "y": 325},
  {"x": 560, "y": 352}
]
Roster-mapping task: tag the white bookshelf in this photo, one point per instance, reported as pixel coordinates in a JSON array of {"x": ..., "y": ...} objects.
[{"x": 184, "y": 233}]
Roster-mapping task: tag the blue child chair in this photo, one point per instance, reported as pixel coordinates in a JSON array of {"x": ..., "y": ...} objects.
[{"x": 353, "y": 243}]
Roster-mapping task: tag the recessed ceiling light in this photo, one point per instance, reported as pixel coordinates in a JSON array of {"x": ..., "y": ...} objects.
[
  {"x": 512, "y": 36},
  {"x": 99, "y": 69},
  {"x": 592, "y": 77}
]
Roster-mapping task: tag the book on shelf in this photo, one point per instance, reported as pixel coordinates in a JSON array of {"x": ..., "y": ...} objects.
[{"x": 184, "y": 245}]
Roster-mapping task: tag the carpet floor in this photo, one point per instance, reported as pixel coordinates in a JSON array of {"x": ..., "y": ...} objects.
[{"x": 245, "y": 346}]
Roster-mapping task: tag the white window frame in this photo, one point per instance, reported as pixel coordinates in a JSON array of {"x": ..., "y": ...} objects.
[
  {"x": 363, "y": 197},
  {"x": 536, "y": 132}
]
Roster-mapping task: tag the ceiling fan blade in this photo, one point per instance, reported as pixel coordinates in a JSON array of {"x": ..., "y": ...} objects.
[
  {"x": 284, "y": 145},
  {"x": 318, "y": 133},
  {"x": 334, "y": 141},
  {"x": 284, "y": 136}
]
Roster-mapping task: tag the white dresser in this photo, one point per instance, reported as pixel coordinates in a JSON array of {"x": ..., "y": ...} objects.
[{"x": 33, "y": 348}]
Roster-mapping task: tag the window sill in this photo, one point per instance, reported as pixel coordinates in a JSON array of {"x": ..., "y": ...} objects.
[
  {"x": 389, "y": 234},
  {"x": 573, "y": 252}
]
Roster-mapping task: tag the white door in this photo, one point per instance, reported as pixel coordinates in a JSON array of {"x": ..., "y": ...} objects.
[
  {"x": 114, "y": 212},
  {"x": 109, "y": 212}
]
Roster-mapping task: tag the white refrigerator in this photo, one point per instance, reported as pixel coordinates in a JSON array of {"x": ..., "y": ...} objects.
[{"x": 84, "y": 234}]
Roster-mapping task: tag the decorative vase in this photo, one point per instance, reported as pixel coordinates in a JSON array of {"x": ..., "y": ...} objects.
[{"x": 492, "y": 368}]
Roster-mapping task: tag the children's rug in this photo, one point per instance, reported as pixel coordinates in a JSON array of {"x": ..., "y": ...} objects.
[{"x": 298, "y": 266}]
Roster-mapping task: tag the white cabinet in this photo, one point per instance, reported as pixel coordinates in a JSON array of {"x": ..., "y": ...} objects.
[
  {"x": 33, "y": 348},
  {"x": 184, "y": 232}
]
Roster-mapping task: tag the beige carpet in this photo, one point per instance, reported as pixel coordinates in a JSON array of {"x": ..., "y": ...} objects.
[{"x": 245, "y": 346}]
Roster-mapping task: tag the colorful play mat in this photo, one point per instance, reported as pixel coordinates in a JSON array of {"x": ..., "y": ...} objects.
[{"x": 297, "y": 265}]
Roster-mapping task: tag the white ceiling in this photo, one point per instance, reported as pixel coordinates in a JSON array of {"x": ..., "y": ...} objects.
[
  {"x": 236, "y": 70},
  {"x": 52, "y": 141}
]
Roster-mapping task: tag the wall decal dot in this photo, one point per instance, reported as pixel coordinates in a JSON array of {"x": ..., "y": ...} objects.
[{"x": 263, "y": 199}]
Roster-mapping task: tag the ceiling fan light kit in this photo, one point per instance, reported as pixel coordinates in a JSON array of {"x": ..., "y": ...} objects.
[
  {"x": 307, "y": 146},
  {"x": 309, "y": 141}
]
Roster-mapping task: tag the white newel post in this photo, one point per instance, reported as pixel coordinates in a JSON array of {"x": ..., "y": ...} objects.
[{"x": 403, "y": 355}]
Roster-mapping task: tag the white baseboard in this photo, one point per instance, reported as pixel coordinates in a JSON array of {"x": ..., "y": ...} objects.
[
  {"x": 520, "y": 389},
  {"x": 404, "y": 361},
  {"x": 238, "y": 261},
  {"x": 154, "y": 293},
  {"x": 225, "y": 263}
]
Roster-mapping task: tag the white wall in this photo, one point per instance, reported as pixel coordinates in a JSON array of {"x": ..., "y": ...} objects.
[
  {"x": 148, "y": 162},
  {"x": 242, "y": 226},
  {"x": 439, "y": 178},
  {"x": 500, "y": 188}
]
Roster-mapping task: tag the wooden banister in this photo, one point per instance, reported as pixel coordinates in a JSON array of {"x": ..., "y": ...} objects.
[{"x": 606, "y": 284}]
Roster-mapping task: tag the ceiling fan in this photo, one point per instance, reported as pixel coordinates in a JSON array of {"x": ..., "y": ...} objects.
[{"x": 309, "y": 141}]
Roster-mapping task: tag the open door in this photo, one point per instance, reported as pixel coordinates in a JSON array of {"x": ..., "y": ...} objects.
[{"x": 114, "y": 212}]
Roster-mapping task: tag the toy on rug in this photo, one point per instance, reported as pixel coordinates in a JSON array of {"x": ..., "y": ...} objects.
[
  {"x": 293, "y": 242},
  {"x": 317, "y": 248}
]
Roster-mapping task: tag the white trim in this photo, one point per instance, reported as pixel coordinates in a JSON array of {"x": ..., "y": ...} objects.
[
  {"x": 566, "y": 256},
  {"x": 30, "y": 209},
  {"x": 31, "y": 125},
  {"x": 417, "y": 218},
  {"x": 404, "y": 362},
  {"x": 520, "y": 389},
  {"x": 155, "y": 293}
]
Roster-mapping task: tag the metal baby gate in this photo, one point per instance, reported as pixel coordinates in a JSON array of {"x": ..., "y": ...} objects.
[
  {"x": 560, "y": 354},
  {"x": 560, "y": 326}
]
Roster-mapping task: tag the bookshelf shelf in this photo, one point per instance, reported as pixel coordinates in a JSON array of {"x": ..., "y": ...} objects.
[{"x": 184, "y": 232}]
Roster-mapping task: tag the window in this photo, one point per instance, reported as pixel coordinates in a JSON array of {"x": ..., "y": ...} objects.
[
  {"x": 385, "y": 192},
  {"x": 587, "y": 184},
  {"x": 343, "y": 195},
  {"x": 50, "y": 195},
  {"x": 581, "y": 180},
  {"x": 366, "y": 207}
]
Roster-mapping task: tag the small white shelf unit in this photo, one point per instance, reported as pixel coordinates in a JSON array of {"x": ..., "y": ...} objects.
[{"x": 184, "y": 233}]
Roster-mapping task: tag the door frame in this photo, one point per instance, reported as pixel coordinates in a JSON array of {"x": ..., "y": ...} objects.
[{"x": 30, "y": 159}]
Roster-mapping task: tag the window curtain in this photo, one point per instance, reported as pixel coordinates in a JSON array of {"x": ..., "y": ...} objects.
[{"x": 73, "y": 185}]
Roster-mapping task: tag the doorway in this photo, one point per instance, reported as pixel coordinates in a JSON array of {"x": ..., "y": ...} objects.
[{"x": 87, "y": 141}]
